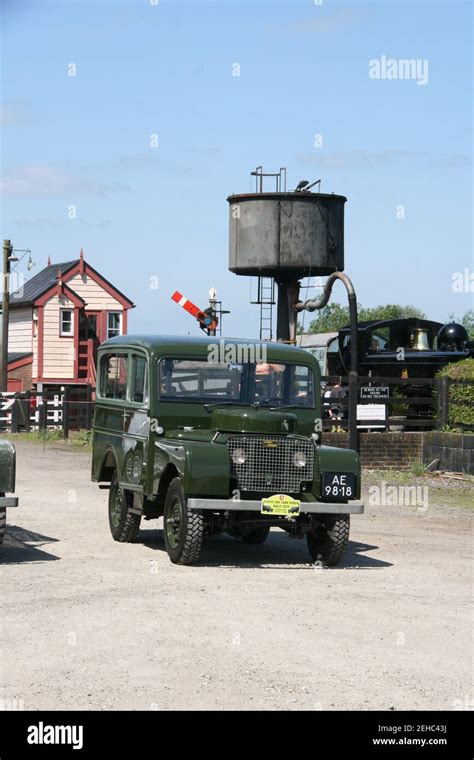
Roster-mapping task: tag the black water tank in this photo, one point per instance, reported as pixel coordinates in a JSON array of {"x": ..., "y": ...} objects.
[{"x": 293, "y": 234}]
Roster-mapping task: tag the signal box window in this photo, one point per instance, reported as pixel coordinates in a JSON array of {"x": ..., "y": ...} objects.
[
  {"x": 66, "y": 323},
  {"x": 114, "y": 324}
]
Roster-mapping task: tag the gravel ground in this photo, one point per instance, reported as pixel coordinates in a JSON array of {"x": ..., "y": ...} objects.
[{"x": 90, "y": 623}]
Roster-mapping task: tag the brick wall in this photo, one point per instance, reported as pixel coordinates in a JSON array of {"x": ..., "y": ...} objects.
[
  {"x": 24, "y": 374},
  {"x": 383, "y": 450}
]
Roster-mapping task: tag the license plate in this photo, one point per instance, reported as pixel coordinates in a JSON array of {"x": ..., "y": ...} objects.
[
  {"x": 338, "y": 485},
  {"x": 280, "y": 505}
]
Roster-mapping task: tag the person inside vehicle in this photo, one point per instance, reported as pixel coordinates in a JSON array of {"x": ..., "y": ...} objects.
[{"x": 268, "y": 381}]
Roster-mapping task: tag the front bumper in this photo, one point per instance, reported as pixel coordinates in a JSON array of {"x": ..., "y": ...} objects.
[
  {"x": 8, "y": 501},
  {"x": 307, "y": 507}
]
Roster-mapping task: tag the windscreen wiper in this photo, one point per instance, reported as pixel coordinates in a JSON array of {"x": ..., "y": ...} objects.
[
  {"x": 265, "y": 401},
  {"x": 287, "y": 406},
  {"x": 224, "y": 403}
]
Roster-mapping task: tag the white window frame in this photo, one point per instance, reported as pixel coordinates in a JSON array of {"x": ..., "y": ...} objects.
[
  {"x": 113, "y": 311},
  {"x": 63, "y": 333}
]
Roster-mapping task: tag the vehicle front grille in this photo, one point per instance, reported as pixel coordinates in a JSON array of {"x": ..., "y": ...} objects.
[{"x": 269, "y": 465}]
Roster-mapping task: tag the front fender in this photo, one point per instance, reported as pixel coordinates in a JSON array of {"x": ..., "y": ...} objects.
[
  {"x": 7, "y": 466},
  {"x": 204, "y": 467},
  {"x": 332, "y": 459},
  {"x": 166, "y": 452},
  {"x": 207, "y": 469}
]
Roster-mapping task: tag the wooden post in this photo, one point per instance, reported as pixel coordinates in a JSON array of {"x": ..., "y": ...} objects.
[
  {"x": 7, "y": 250},
  {"x": 43, "y": 411},
  {"x": 27, "y": 411},
  {"x": 66, "y": 412},
  {"x": 15, "y": 427},
  {"x": 442, "y": 402}
]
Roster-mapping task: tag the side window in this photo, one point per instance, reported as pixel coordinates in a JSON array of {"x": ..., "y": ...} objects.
[
  {"x": 140, "y": 379},
  {"x": 114, "y": 324},
  {"x": 66, "y": 323},
  {"x": 114, "y": 373}
]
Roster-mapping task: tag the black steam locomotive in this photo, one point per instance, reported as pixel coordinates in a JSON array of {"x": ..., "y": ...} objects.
[{"x": 400, "y": 348}]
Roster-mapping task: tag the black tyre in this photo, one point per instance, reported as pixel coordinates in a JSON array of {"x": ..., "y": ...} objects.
[
  {"x": 256, "y": 535},
  {"x": 3, "y": 521},
  {"x": 328, "y": 540},
  {"x": 124, "y": 524},
  {"x": 183, "y": 528}
]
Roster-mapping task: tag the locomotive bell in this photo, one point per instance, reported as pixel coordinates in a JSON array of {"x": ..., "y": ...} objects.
[{"x": 420, "y": 340}]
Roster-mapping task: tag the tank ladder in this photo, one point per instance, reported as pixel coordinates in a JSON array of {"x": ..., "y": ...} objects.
[{"x": 266, "y": 301}]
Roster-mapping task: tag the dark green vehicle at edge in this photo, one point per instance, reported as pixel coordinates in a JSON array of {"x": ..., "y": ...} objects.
[
  {"x": 7, "y": 482},
  {"x": 218, "y": 436}
]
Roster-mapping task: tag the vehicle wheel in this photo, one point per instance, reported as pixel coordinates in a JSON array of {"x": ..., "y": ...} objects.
[
  {"x": 256, "y": 535},
  {"x": 3, "y": 521},
  {"x": 183, "y": 528},
  {"x": 124, "y": 525},
  {"x": 328, "y": 540}
]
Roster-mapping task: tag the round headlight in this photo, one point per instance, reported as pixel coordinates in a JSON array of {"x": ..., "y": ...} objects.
[
  {"x": 238, "y": 456},
  {"x": 299, "y": 459}
]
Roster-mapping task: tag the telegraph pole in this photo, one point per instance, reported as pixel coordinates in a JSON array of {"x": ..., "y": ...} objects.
[{"x": 7, "y": 250}]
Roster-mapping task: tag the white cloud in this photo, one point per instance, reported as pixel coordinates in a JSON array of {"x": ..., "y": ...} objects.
[
  {"x": 365, "y": 158},
  {"x": 453, "y": 160},
  {"x": 43, "y": 180},
  {"x": 323, "y": 24},
  {"x": 356, "y": 158},
  {"x": 55, "y": 223}
]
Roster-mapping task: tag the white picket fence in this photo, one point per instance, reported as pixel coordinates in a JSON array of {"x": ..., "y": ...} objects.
[{"x": 54, "y": 414}]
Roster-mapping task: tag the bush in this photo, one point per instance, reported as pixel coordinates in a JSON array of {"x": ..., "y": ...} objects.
[
  {"x": 82, "y": 438},
  {"x": 460, "y": 413},
  {"x": 51, "y": 434}
]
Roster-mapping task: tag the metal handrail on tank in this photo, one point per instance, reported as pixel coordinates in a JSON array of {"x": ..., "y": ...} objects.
[{"x": 260, "y": 174}]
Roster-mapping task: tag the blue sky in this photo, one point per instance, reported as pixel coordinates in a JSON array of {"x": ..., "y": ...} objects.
[{"x": 167, "y": 69}]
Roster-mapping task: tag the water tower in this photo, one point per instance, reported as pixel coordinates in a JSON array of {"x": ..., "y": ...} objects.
[{"x": 283, "y": 236}]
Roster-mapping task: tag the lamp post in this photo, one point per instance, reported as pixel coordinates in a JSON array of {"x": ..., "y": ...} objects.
[{"x": 7, "y": 260}]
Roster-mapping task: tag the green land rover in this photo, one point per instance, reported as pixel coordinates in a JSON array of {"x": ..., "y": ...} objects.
[{"x": 217, "y": 436}]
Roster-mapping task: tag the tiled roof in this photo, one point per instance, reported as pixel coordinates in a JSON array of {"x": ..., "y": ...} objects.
[
  {"x": 16, "y": 356},
  {"x": 40, "y": 283}
]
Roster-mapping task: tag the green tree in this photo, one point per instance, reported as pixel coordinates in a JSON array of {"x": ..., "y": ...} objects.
[
  {"x": 461, "y": 394},
  {"x": 390, "y": 311},
  {"x": 468, "y": 321},
  {"x": 329, "y": 319},
  {"x": 334, "y": 316}
]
